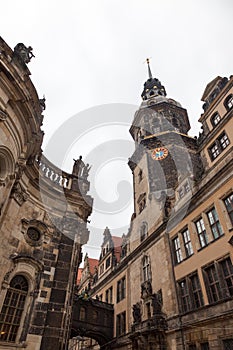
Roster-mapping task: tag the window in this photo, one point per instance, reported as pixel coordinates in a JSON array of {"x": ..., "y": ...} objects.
[
  {"x": 214, "y": 151},
  {"x": 121, "y": 285},
  {"x": 229, "y": 206},
  {"x": 215, "y": 226},
  {"x": 205, "y": 346},
  {"x": 140, "y": 175},
  {"x": 148, "y": 310},
  {"x": 213, "y": 286},
  {"x": 187, "y": 243},
  {"x": 203, "y": 239},
  {"x": 143, "y": 231},
  {"x": 101, "y": 269},
  {"x": 219, "y": 280},
  {"x": 108, "y": 262},
  {"x": 227, "y": 270},
  {"x": 121, "y": 324},
  {"x": 141, "y": 202},
  {"x": 108, "y": 295},
  {"x": 146, "y": 268},
  {"x": 227, "y": 344},
  {"x": 82, "y": 315},
  {"x": 196, "y": 291},
  {"x": 224, "y": 141},
  {"x": 192, "y": 347},
  {"x": 218, "y": 146},
  {"x": 124, "y": 250},
  {"x": 190, "y": 293},
  {"x": 215, "y": 119},
  {"x": 181, "y": 192},
  {"x": 184, "y": 294},
  {"x": 229, "y": 102},
  {"x": 177, "y": 250},
  {"x": 186, "y": 187},
  {"x": 12, "y": 308}
]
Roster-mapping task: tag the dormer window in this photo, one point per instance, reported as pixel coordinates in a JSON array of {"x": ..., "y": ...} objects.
[
  {"x": 215, "y": 119},
  {"x": 229, "y": 102}
]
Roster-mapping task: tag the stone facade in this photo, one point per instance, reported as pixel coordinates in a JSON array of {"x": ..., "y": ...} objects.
[
  {"x": 42, "y": 219},
  {"x": 176, "y": 260}
]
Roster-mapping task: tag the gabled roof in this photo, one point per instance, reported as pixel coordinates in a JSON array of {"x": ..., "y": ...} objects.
[{"x": 210, "y": 87}]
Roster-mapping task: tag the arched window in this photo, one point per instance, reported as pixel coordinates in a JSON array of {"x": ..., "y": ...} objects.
[
  {"x": 215, "y": 119},
  {"x": 146, "y": 275},
  {"x": 143, "y": 231},
  {"x": 12, "y": 309},
  {"x": 82, "y": 315},
  {"x": 229, "y": 102}
]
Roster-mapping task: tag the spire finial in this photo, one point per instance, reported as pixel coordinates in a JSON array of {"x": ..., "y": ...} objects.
[{"x": 149, "y": 70}]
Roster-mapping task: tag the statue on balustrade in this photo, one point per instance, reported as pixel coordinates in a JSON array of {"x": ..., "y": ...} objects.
[{"x": 78, "y": 166}]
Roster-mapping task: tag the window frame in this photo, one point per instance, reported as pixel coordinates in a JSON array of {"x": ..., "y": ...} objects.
[
  {"x": 12, "y": 310},
  {"x": 187, "y": 242},
  {"x": 215, "y": 117},
  {"x": 146, "y": 270},
  {"x": 229, "y": 206},
  {"x": 219, "y": 145},
  {"x": 177, "y": 252},
  {"x": 191, "y": 295},
  {"x": 214, "y": 223},
  {"x": 201, "y": 233},
  {"x": 228, "y": 102},
  {"x": 121, "y": 289},
  {"x": 121, "y": 324}
]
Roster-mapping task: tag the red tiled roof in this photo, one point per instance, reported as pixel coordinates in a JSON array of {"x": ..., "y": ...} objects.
[
  {"x": 92, "y": 264},
  {"x": 80, "y": 270},
  {"x": 117, "y": 241}
]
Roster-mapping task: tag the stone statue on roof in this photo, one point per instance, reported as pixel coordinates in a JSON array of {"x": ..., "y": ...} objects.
[{"x": 23, "y": 52}]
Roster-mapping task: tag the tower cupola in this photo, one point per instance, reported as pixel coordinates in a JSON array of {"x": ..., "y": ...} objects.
[{"x": 152, "y": 87}]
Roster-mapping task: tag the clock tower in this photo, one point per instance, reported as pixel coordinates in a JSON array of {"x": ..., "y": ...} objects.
[{"x": 165, "y": 157}]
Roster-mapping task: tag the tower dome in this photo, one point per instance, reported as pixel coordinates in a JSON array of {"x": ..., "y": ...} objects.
[{"x": 152, "y": 87}]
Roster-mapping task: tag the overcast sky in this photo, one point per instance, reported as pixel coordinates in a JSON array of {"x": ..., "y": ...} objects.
[{"x": 91, "y": 53}]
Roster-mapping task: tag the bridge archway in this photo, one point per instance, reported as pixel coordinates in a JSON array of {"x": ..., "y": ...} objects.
[{"x": 92, "y": 318}]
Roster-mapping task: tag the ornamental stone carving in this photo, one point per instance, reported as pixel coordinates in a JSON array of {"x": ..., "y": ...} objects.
[{"x": 19, "y": 193}]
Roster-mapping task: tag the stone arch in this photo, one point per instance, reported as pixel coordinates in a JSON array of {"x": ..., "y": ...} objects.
[
  {"x": 29, "y": 269},
  {"x": 6, "y": 163}
]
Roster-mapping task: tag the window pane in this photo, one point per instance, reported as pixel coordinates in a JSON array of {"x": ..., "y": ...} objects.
[
  {"x": 224, "y": 141},
  {"x": 213, "y": 284},
  {"x": 229, "y": 206},
  {"x": 187, "y": 243},
  {"x": 228, "y": 344},
  {"x": 12, "y": 309},
  {"x": 177, "y": 250},
  {"x": 203, "y": 239},
  {"x": 214, "y": 223},
  {"x": 227, "y": 269}
]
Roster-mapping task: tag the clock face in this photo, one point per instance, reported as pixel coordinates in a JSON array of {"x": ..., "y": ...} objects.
[{"x": 159, "y": 153}]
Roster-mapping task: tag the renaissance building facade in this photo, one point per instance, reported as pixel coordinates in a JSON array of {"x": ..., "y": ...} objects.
[
  {"x": 170, "y": 278},
  {"x": 43, "y": 216}
]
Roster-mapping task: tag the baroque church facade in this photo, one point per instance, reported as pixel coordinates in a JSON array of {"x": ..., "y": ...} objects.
[
  {"x": 43, "y": 216},
  {"x": 172, "y": 286}
]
